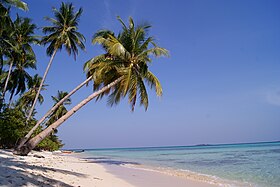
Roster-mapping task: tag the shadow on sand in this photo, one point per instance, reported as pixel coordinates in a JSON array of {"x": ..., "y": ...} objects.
[{"x": 13, "y": 173}]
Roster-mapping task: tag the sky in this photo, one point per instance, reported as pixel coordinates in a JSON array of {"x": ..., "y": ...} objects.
[{"x": 221, "y": 83}]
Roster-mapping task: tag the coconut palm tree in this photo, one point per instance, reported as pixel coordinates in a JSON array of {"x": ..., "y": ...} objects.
[
  {"x": 61, "y": 110},
  {"x": 5, "y": 28},
  {"x": 26, "y": 100},
  {"x": 19, "y": 44},
  {"x": 121, "y": 71},
  {"x": 6, "y": 24},
  {"x": 63, "y": 32},
  {"x": 39, "y": 122},
  {"x": 19, "y": 76},
  {"x": 130, "y": 52}
]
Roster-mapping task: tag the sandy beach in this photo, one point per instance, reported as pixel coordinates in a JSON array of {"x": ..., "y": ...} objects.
[{"x": 58, "y": 169}]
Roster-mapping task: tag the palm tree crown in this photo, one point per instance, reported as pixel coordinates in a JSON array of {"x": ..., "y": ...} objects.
[
  {"x": 20, "y": 54},
  {"x": 24, "y": 34},
  {"x": 63, "y": 31},
  {"x": 61, "y": 110},
  {"x": 28, "y": 97},
  {"x": 127, "y": 55}
]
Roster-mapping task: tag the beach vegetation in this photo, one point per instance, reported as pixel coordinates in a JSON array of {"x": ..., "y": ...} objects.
[{"x": 13, "y": 127}]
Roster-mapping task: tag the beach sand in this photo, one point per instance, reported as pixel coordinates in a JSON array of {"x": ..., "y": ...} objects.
[{"x": 58, "y": 169}]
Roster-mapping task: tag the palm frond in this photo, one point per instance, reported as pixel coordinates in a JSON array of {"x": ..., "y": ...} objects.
[
  {"x": 126, "y": 56},
  {"x": 154, "y": 82},
  {"x": 63, "y": 31}
]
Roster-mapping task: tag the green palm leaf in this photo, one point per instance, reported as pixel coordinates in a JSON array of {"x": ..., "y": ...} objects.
[
  {"x": 63, "y": 31},
  {"x": 126, "y": 56}
]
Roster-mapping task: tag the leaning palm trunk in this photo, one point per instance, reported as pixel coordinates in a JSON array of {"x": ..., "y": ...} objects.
[
  {"x": 23, "y": 140},
  {"x": 32, "y": 143},
  {"x": 7, "y": 80},
  {"x": 41, "y": 85}
]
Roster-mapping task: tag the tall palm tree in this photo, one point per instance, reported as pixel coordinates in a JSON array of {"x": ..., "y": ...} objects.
[
  {"x": 19, "y": 44},
  {"x": 6, "y": 24},
  {"x": 119, "y": 72},
  {"x": 26, "y": 100},
  {"x": 63, "y": 32}
]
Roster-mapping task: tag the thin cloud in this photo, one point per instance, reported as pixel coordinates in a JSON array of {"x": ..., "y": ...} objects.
[
  {"x": 110, "y": 14},
  {"x": 107, "y": 21},
  {"x": 273, "y": 97}
]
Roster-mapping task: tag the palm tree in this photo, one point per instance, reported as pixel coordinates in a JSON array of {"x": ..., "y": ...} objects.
[
  {"x": 5, "y": 28},
  {"x": 19, "y": 76},
  {"x": 26, "y": 100},
  {"x": 130, "y": 52},
  {"x": 39, "y": 122},
  {"x": 6, "y": 23},
  {"x": 61, "y": 110},
  {"x": 63, "y": 32},
  {"x": 19, "y": 45},
  {"x": 118, "y": 72}
]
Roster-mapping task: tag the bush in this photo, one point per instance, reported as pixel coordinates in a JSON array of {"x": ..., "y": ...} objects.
[
  {"x": 13, "y": 127},
  {"x": 51, "y": 143}
]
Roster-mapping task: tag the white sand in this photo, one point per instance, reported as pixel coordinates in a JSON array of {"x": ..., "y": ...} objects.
[
  {"x": 64, "y": 170},
  {"x": 53, "y": 170}
]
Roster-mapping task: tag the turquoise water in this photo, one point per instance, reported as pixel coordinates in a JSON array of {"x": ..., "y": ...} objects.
[{"x": 255, "y": 164}]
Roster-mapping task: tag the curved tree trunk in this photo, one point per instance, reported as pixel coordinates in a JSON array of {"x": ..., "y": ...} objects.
[
  {"x": 7, "y": 80},
  {"x": 27, "y": 136},
  {"x": 41, "y": 85},
  {"x": 32, "y": 143}
]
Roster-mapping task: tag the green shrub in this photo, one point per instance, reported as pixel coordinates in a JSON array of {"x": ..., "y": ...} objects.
[{"x": 13, "y": 127}]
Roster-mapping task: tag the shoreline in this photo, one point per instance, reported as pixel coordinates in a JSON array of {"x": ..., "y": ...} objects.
[
  {"x": 58, "y": 169},
  {"x": 135, "y": 172},
  {"x": 143, "y": 177}
]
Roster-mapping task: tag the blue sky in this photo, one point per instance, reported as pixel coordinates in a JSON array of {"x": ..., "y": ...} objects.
[{"x": 221, "y": 82}]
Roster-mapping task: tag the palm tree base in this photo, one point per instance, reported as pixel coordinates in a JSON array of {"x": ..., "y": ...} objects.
[{"x": 22, "y": 151}]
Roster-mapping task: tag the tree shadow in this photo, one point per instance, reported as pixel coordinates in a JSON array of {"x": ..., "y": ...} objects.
[{"x": 13, "y": 172}]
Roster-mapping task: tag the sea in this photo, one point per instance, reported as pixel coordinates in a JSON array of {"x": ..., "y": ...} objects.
[{"x": 246, "y": 164}]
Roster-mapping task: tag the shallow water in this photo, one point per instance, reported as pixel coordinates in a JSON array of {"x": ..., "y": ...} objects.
[{"x": 255, "y": 164}]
